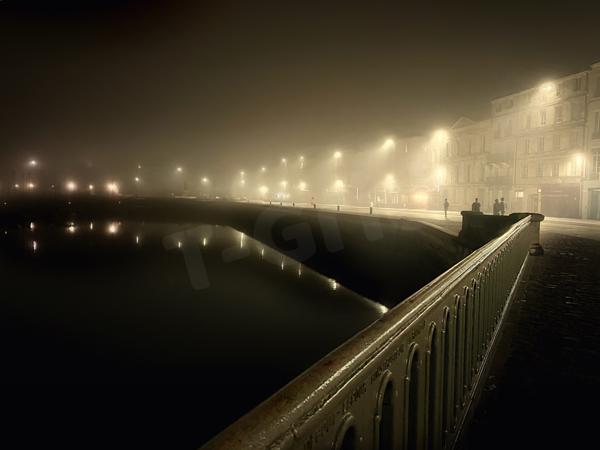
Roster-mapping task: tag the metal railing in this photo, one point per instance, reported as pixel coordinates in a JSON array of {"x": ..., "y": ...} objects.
[{"x": 407, "y": 381}]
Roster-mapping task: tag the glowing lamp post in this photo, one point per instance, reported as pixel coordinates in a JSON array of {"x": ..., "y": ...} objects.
[
  {"x": 71, "y": 186},
  {"x": 112, "y": 188}
]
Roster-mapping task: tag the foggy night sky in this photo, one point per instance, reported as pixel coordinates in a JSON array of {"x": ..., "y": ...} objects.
[{"x": 116, "y": 83}]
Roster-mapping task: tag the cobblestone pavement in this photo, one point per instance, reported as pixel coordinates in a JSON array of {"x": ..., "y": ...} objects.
[{"x": 543, "y": 390}]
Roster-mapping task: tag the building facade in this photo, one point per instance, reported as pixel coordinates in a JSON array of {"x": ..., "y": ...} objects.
[{"x": 540, "y": 151}]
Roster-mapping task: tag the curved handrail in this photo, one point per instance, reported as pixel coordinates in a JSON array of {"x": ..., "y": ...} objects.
[{"x": 281, "y": 417}]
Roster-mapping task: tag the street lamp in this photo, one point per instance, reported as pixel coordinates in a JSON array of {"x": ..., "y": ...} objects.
[
  {"x": 112, "y": 188},
  {"x": 71, "y": 186},
  {"x": 389, "y": 144}
]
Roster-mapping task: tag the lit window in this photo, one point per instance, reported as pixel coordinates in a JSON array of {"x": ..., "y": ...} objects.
[{"x": 519, "y": 194}]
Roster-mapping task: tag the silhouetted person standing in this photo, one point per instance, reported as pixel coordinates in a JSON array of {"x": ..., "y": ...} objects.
[
  {"x": 502, "y": 206},
  {"x": 446, "y": 206},
  {"x": 496, "y": 207},
  {"x": 476, "y": 206}
]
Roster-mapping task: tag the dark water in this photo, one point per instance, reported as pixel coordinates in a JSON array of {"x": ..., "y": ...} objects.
[{"x": 130, "y": 335}]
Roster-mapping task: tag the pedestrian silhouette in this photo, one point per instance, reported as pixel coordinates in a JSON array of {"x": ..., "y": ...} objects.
[
  {"x": 496, "y": 208},
  {"x": 476, "y": 206},
  {"x": 502, "y": 206},
  {"x": 446, "y": 205}
]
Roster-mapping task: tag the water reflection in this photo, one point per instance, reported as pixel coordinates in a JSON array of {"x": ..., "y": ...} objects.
[
  {"x": 113, "y": 227},
  {"x": 205, "y": 315}
]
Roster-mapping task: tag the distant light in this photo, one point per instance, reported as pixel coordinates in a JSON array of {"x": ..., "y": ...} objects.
[
  {"x": 179, "y": 169},
  {"x": 33, "y": 163},
  {"x": 441, "y": 136},
  {"x": 243, "y": 182},
  {"x": 388, "y": 144},
  {"x": 91, "y": 187},
  {"x": 204, "y": 242},
  {"x": 35, "y": 246},
  {"x": 283, "y": 161},
  {"x": 263, "y": 169},
  {"x": 32, "y": 226},
  {"x": 301, "y": 158},
  {"x": 302, "y": 186},
  {"x": 30, "y": 186},
  {"x": 92, "y": 226},
  {"x": 547, "y": 87},
  {"x": 179, "y": 244},
  {"x": 440, "y": 173},
  {"x": 390, "y": 181},
  {"x": 263, "y": 190},
  {"x": 113, "y": 228},
  {"x": 71, "y": 186},
  {"x": 333, "y": 284},
  {"x": 204, "y": 180},
  {"x": 578, "y": 159},
  {"x": 421, "y": 197},
  {"x": 137, "y": 179},
  {"x": 242, "y": 173},
  {"x": 112, "y": 188},
  {"x": 72, "y": 228},
  {"x": 139, "y": 166},
  {"x": 339, "y": 185},
  {"x": 17, "y": 186},
  {"x": 283, "y": 184},
  {"x": 337, "y": 154},
  {"x": 137, "y": 239}
]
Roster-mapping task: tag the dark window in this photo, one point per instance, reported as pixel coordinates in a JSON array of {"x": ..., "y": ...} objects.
[
  {"x": 556, "y": 142},
  {"x": 595, "y": 169},
  {"x": 558, "y": 114}
]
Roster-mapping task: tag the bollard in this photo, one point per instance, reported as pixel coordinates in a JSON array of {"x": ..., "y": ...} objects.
[
  {"x": 280, "y": 203},
  {"x": 293, "y": 203},
  {"x": 270, "y": 203},
  {"x": 370, "y": 210},
  {"x": 314, "y": 206},
  {"x": 338, "y": 207}
]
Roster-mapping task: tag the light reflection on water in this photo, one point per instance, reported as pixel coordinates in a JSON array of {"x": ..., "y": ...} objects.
[{"x": 204, "y": 305}]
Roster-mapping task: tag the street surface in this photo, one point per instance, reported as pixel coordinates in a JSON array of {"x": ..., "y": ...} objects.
[{"x": 586, "y": 229}]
